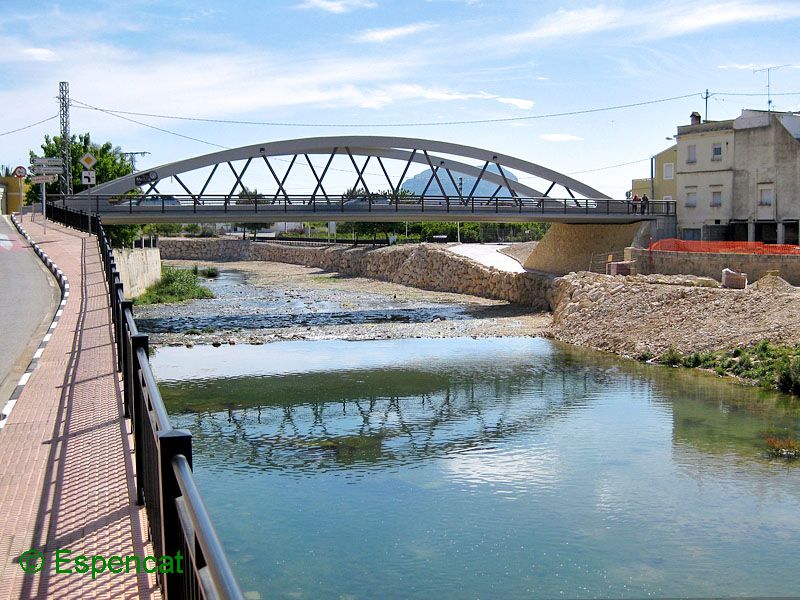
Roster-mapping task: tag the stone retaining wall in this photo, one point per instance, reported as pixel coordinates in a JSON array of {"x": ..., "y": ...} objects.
[
  {"x": 138, "y": 268},
  {"x": 425, "y": 266},
  {"x": 710, "y": 264}
]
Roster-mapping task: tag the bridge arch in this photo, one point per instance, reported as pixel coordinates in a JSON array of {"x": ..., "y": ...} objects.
[{"x": 443, "y": 159}]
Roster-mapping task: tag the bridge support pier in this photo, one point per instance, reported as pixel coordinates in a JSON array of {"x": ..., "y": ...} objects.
[{"x": 568, "y": 247}]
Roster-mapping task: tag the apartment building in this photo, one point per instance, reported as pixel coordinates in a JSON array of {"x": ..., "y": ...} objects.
[{"x": 739, "y": 179}]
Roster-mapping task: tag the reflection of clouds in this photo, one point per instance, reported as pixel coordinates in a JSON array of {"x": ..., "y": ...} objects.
[{"x": 506, "y": 470}]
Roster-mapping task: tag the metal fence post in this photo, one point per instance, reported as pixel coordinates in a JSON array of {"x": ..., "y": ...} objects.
[
  {"x": 126, "y": 306},
  {"x": 118, "y": 292},
  {"x": 139, "y": 413},
  {"x": 170, "y": 444}
]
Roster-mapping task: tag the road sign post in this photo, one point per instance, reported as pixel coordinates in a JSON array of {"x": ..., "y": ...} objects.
[
  {"x": 44, "y": 207},
  {"x": 20, "y": 173}
]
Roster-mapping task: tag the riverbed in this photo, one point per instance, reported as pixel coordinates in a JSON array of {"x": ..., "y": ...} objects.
[{"x": 261, "y": 302}]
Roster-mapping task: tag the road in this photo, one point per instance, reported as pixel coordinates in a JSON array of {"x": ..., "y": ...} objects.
[{"x": 28, "y": 299}]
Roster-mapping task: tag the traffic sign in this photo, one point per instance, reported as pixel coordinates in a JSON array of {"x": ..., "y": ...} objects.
[
  {"x": 20, "y": 172},
  {"x": 88, "y": 177},
  {"x": 88, "y": 161},
  {"x": 44, "y": 178},
  {"x": 46, "y": 170},
  {"x": 52, "y": 161},
  {"x": 147, "y": 177}
]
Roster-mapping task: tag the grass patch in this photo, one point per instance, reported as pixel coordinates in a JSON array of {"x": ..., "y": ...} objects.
[
  {"x": 176, "y": 285},
  {"x": 768, "y": 365}
]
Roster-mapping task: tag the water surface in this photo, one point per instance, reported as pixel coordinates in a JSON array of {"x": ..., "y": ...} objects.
[{"x": 499, "y": 468}]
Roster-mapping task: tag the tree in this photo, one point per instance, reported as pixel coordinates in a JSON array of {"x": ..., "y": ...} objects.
[{"x": 111, "y": 164}]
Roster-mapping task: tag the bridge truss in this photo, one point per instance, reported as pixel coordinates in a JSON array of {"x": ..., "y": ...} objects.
[{"x": 349, "y": 178}]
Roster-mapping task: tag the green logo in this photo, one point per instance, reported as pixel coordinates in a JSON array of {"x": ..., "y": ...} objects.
[{"x": 31, "y": 561}]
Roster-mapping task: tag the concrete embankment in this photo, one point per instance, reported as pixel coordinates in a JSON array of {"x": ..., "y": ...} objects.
[
  {"x": 425, "y": 266},
  {"x": 139, "y": 268}
]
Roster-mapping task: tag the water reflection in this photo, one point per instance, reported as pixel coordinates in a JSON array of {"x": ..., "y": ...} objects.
[{"x": 369, "y": 419}]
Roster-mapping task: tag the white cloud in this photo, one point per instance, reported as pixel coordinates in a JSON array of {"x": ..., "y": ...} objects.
[
  {"x": 654, "y": 21},
  {"x": 560, "y": 137},
  {"x": 542, "y": 78},
  {"x": 337, "y": 6},
  {"x": 39, "y": 54},
  {"x": 569, "y": 23},
  {"x": 392, "y": 33},
  {"x": 518, "y": 102}
]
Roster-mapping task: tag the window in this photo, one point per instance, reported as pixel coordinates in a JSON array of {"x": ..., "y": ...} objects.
[
  {"x": 765, "y": 196},
  {"x": 669, "y": 170},
  {"x": 691, "y": 153},
  {"x": 690, "y": 234},
  {"x": 716, "y": 152},
  {"x": 716, "y": 197},
  {"x": 691, "y": 198}
]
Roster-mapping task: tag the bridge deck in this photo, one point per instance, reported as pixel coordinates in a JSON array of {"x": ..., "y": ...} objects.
[
  {"x": 170, "y": 209},
  {"x": 65, "y": 453}
]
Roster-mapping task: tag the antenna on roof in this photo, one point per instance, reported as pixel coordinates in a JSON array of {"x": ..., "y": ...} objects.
[{"x": 768, "y": 70}]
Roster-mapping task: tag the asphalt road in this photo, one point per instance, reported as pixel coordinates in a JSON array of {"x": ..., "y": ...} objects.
[{"x": 29, "y": 296}]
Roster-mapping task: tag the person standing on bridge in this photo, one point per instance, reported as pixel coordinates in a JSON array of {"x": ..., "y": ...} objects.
[
  {"x": 645, "y": 204},
  {"x": 635, "y": 201}
]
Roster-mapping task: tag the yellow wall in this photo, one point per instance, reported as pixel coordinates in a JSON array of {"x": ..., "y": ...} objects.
[
  {"x": 12, "y": 192},
  {"x": 662, "y": 188}
]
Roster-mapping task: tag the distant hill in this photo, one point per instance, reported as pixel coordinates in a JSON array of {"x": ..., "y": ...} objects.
[{"x": 417, "y": 184}]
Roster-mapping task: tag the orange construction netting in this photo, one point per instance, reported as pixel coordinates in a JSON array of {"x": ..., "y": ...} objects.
[{"x": 675, "y": 245}]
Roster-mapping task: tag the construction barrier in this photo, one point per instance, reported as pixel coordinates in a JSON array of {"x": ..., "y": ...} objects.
[{"x": 675, "y": 245}]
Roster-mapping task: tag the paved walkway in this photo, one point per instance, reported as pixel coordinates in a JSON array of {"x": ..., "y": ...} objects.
[
  {"x": 28, "y": 299},
  {"x": 489, "y": 255},
  {"x": 66, "y": 460}
]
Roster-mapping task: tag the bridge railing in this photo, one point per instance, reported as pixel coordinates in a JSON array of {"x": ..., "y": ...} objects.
[
  {"x": 165, "y": 484},
  {"x": 279, "y": 203}
]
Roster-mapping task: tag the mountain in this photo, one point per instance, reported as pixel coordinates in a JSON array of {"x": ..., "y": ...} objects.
[{"x": 417, "y": 184}]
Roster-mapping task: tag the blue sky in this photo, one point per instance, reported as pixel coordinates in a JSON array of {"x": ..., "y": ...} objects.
[{"x": 367, "y": 62}]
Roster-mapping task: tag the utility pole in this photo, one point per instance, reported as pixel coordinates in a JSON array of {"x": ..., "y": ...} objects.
[
  {"x": 63, "y": 113},
  {"x": 706, "y": 97},
  {"x": 132, "y": 157},
  {"x": 769, "y": 91}
]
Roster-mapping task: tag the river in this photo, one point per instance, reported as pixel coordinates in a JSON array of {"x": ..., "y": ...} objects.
[{"x": 509, "y": 467}]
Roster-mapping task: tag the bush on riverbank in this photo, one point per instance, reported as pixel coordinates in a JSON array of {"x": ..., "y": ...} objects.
[
  {"x": 769, "y": 365},
  {"x": 175, "y": 285}
]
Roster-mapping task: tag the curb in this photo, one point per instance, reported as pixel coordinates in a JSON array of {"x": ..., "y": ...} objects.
[{"x": 63, "y": 283}]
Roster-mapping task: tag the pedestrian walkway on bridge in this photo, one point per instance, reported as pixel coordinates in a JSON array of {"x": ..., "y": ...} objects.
[{"x": 66, "y": 466}]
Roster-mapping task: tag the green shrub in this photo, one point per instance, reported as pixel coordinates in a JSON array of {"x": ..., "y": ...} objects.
[
  {"x": 671, "y": 357},
  {"x": 691, "y": 361},
  {"x": 210, "y": 272},
  {"x": 789, "y": 376}
]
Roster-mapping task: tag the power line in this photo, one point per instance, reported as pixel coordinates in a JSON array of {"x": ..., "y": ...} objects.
[
  {"x": 119, "y": 114},
  {"x": 625, "y": 164},
  {"x": 175, "y": 133},
  {"x": 29, "y": 126}
]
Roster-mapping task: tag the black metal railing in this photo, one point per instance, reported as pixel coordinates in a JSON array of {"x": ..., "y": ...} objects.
[{"x": 165, "y": 484}]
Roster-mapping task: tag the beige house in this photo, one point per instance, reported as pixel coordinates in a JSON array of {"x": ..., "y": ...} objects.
[{"x": 739, "y": 179}]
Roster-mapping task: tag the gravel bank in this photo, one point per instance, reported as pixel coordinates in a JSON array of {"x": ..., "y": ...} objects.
[{"x": 305, "y": 290}]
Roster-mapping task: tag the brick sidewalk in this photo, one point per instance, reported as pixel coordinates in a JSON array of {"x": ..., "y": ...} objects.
[{"x": 66, "y": 462}]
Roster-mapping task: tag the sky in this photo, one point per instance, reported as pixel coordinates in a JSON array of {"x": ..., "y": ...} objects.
[{"x": 380, "y": 67}]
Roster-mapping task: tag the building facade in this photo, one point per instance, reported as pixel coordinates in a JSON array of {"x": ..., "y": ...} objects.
[
  {"x": 661, "y": 185},
  {"x": 739, "y": 179}
]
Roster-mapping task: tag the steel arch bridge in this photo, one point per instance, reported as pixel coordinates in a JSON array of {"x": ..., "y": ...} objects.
[{"x": 220, "y": 186}]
